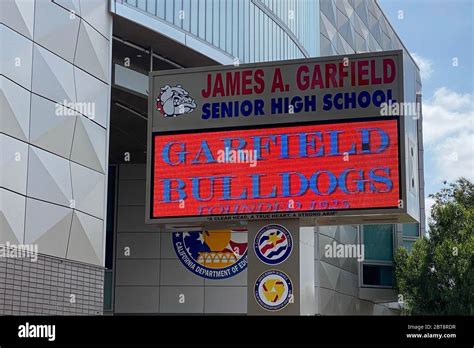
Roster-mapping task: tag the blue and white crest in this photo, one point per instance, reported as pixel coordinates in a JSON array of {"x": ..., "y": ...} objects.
[{"x": 273, "y": 244}]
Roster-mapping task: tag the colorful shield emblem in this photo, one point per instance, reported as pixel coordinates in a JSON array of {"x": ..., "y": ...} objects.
[
  {"x": 273, "y": 244},
  {"x": 213, "y": 254},
  {"x": 273, "y": 290}
]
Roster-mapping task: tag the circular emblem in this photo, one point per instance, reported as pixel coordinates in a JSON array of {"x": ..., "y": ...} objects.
[
  {"x": 273, "y": 244},
  {"x": 273, "y": 290},
  {"x": 216, "y": 254}
]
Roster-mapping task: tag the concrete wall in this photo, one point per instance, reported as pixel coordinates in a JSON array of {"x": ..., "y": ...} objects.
[
  {"x": 53, "y": 160},
  {"x": 152, "y": 278},
  {"x": 337, "y": 279}
]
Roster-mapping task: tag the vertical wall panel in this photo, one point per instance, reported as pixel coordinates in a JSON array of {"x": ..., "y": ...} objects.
[{"x": 46, "y": 64}]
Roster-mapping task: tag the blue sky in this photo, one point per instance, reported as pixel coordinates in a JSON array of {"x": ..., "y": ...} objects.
[{"x": 440, "y": 33}]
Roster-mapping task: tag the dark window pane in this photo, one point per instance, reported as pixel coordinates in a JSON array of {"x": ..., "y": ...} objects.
[
  {"x": 108, "y": 290},
  {"x": 109, "y": 234},
  {"x": 378, "y": 275}
]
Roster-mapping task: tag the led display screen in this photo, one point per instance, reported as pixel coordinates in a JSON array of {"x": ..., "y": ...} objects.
[{"x": 294, "y": 168}]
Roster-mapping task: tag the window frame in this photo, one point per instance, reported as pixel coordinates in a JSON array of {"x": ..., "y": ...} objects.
[
  {"x": 374, "y": 262},
  {"x": 411, "y": 238}
]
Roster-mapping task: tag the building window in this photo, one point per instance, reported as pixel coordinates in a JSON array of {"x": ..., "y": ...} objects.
[
  {"x": 410, "y": 232},
  {"x": 378, "y": 275},
  {"x": 377, "y": 267}
]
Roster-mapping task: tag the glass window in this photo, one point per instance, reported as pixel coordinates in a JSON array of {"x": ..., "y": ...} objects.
[
  {"x": 246, "y": 32},
  {"x": 160, "y": 8},
  {"x": 169, "y": 11},
  {"x": 222, "y": 24},
  {"x": 235, "y": 27},
  {"x": 215, "y": 23},
  {"x": 108, "y": 284},
  {"x": 141, "y": 4},
  {"x": 178, "y": 13},
  {"x": 241, "y": 29},
  {"x": 261, "y": 37},
  {"x": 258, "y": 49},
  {"x": 378, "y": 242},
  {"x": 377, "y": 269},
  {"x": 411, "y": 230},
  {"x": 229, "y": 19},
  {"x": 193, "y": 18},
  {"x": 273, "y": 40},
  {"x": 186, "y": 15},
  {"x": 209, "y": 20},
  {"x": 110, "y": 225},
  {"x": 378, "y": 275},
  {"x": 202, "y": 19},
  {"x": 265, "y": 37},
  {"x": 277, "y": 43},
  {"x": 408, "y": 244},
  {"x": 252, "y": 33},
  {"x": 151, "y": 7}
]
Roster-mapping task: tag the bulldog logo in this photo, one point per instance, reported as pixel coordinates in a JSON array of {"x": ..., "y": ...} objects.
[{"x": 174, "y": 101}]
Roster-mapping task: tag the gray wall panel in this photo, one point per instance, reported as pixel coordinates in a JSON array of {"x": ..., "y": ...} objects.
[
  {"x": 141, "y": 245},
  {"x": 192, "y": 299},
  {"x": 132, "y": 219},
  {"x": 225, "y": 300},
  {"x": 173, "y": 272},
  {"x": 137, "y": 299},
  {"x": 137, "y": 272},
  {"x": 132, "y": 193}
]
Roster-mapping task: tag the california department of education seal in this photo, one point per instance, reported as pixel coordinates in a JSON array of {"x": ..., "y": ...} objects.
[{"x": 215, "y": 254}]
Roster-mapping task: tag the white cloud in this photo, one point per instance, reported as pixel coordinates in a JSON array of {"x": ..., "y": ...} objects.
[
  {"x": 448, "y": 133},
  {"x": 425, "y": 66}
]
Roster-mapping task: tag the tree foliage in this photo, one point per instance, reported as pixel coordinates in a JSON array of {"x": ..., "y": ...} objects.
[{"x": 437, "y": 276}]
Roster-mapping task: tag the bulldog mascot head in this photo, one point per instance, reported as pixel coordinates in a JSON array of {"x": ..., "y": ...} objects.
[{"x": 174, "y": 101}]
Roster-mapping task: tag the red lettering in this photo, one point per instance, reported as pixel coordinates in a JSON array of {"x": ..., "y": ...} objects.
[
  {"x": 246, "y": 81},
  {"x": 207, "y": 92},
  {"x": 232, "y": 83},
  {"x": 277, "y": 81},
  {"x": 317, "y": 79},
  {"x": 218, "y": 86},
  {"x": 361, "y": 64},
  {"x": 260, "y": 82},
  {"x": 353, "y": 74},
  {"x": 330, "y": 73},
  {"x": 374, "y": 80},
  {"x": 302, "y": 81},
  {"x": 388, "y": 63},
  {"x": 342, "y": 73}
]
